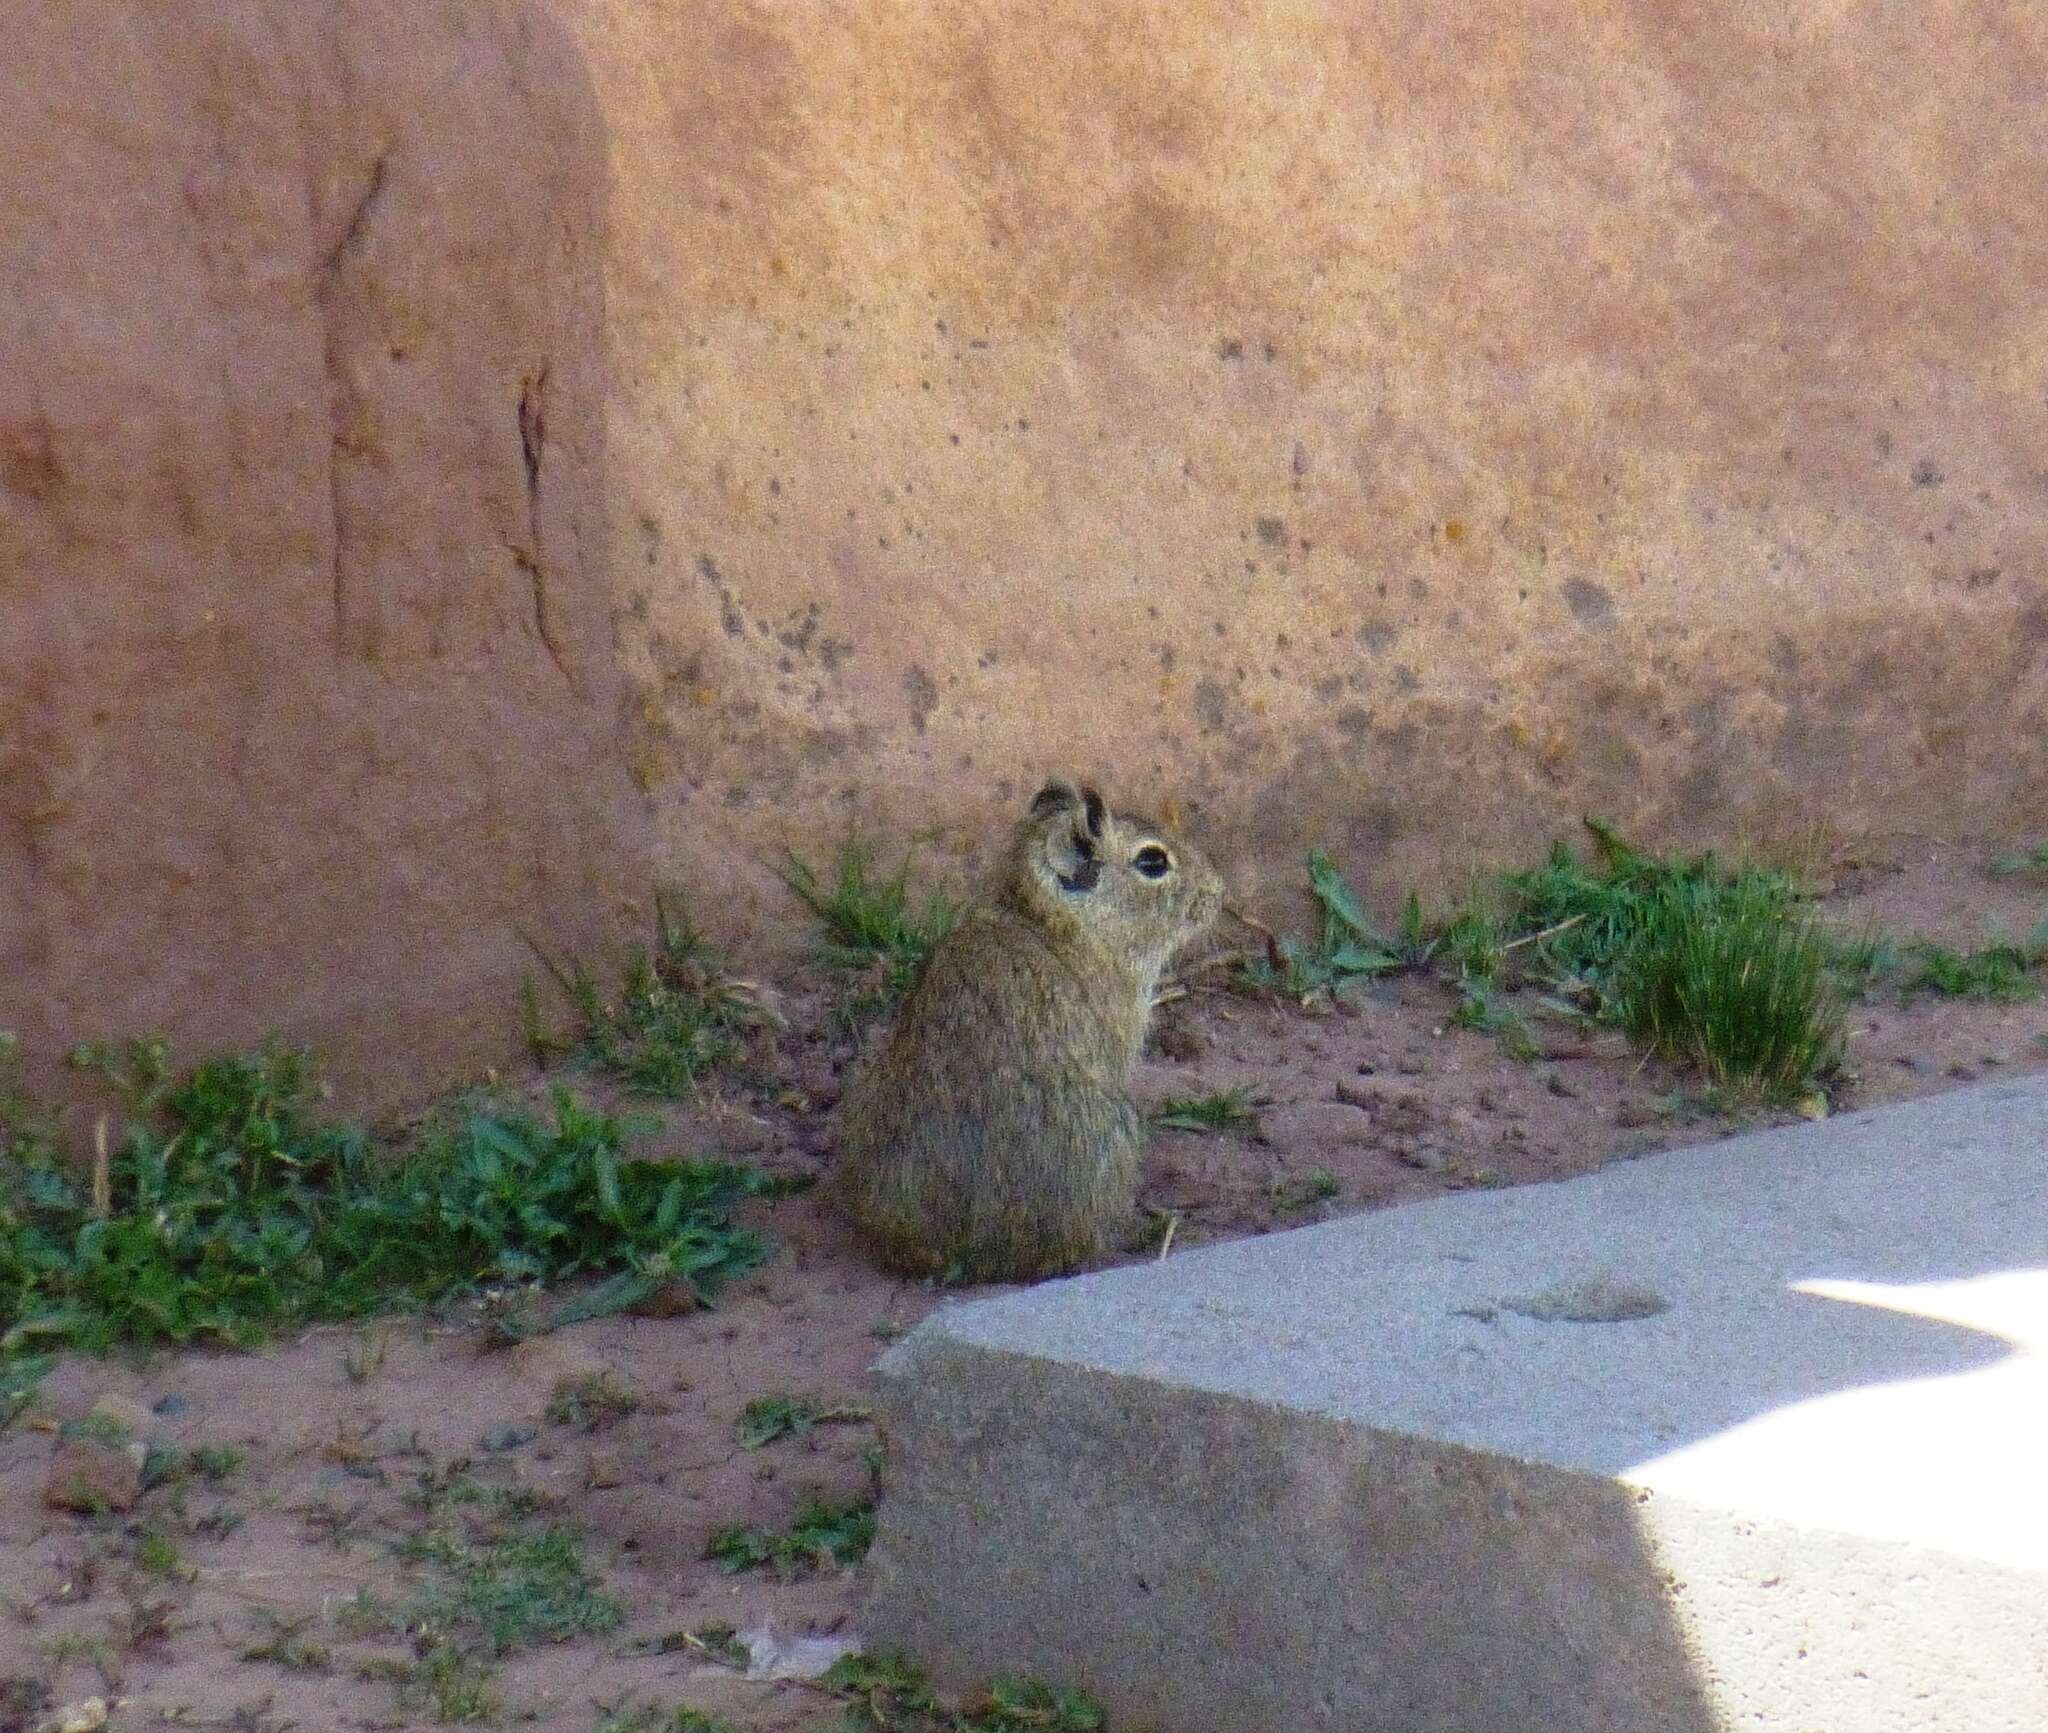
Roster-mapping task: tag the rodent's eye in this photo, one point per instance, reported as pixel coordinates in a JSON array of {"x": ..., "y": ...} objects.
[{"x": 1152, "y": 861}]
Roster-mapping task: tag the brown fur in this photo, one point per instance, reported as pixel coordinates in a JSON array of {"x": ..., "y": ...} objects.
[{"x": 992, "y": 1135}]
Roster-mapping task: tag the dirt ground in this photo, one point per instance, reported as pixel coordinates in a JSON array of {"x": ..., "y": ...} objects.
[{"x": 1387, "y": 1100}]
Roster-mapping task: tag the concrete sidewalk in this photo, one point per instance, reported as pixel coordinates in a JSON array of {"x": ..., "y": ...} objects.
[{"x": 1753, "y": 1434}]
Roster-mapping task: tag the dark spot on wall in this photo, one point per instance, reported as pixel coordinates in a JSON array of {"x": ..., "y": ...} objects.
[
  {"x": 1401, "y": 739},
  {"x": 1884, "y": 445},
  {"x": 1355, "y": 720},
  {"x": 1328, "y": 687},
  {"x": 833, "y": 652},
  {"x": 1378, "y": 637},
  {"x": 1212, "y": 706},
  {"x": 1167, "y": 658},
  {"x": 1785, "y": 656},
  {"x": 1230, "y": 349},
  {"x": 1379, "y": 825},
  {"x": 1979, "y": 577},
  {"x": 707, "y": 569},
  {"x": 1925, "y": 474},
  {"x": 1590, "y": 604},
  {"x": 1418, "y": 589},
  {"x": 1701, "y": 792},
  {"x": 730, "y": 617},
  {"x": 1406, "y": 679},
  {"x": 799, "y": 636},
  {"x": 1272, "y": 531},
  {"x": 922, "y": 691}
]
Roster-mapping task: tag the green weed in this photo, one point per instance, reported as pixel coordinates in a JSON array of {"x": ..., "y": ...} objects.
[
  {"x": 1234, "y": 1109},
  {"x": 676, "y": 1016},
  {"x": 892, "y": 1695},
  {"x": 1858, "y": 961},
  {"x": 2032, "y": 860},
  {"x": 157, "y": 1555},
  {"x": 826, "y": 1534},
  {"x": 1348, "y": 947},
  {"x": 768, "y": 1418},
  {"x": 2003, "y": 972},
  {"x": 644, "y": 1718},
  {"x": 716, "y": 1642},
  {"x": 216, "y": 1462},
  {"x": 364, "y": 1614},
  {"x": 592, "y": 1403},
  {"x": 364, "y": 1357},
  {"x": 870, "y": 925},
  {"x": 451, "y": 1686},
  {"x": 1311, "y": 1188},
  {"x": 1472, "y": 941},
  {"x": 231, "y": 1211},
  {"x": 285, "y": 1644},
  {"x": 510, "y": 1593},
  {"x": 21, "y": 1376},
  {"x": 1481, "y": 1010}
]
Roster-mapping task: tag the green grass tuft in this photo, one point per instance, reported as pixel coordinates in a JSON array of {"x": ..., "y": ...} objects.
[
  {"x": 510, "y": 1593},
  {"x": 1712, "y": 965},
  {"x": 1313, "y": 1187},
  {"x": 891, "y": 1694},
  {"x": 2003, "y": 972},
  {"x": 871, "y": 927},
  {"x": 677, "y": 1015},
  {"x": 2033, "y": 860},
  {"x": 1728, "y": 977},
  {"x": 592, "y": 1403},
  {"x": 1586, "y": 918},
  {"x": 1234, "y": 1109},
  {"x": 768, "y": 1418},
  {"x": 825, "y": 1535}
]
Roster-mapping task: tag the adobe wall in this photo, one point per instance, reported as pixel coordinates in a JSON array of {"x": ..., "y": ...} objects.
[
  {"x": 458, "y": 462},
  {"x": 310, "y": 700}
]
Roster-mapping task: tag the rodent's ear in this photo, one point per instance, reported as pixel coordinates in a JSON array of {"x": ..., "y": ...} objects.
[
  {"x": 1070, "y": 854},
  {"x": 1055, "y": 796},
  {"x": 1092, "y": 802}
]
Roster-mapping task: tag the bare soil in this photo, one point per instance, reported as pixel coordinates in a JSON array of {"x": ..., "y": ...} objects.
[{"x": 1387, "y": 1099}]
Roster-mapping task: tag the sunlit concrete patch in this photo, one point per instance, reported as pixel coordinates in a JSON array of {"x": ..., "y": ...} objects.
[
  {"x": 1746, "y": 1435},
  {"x": 1943, "y": 1461}
]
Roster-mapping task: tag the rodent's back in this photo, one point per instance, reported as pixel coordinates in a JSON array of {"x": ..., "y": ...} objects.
[
  {"x": 991, "y": 1134},
  {"x": 998, "y": 1000}
]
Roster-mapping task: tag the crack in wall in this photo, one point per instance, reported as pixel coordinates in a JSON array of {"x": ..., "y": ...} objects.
[
  {"x": 531, "y": 559},
  {"x": 343, "y": 397}
]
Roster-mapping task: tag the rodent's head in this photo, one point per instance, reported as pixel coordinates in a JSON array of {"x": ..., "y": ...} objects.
[{"x": 1136, "y": 889}]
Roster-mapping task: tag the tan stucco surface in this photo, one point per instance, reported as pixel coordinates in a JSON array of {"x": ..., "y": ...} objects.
[{"x": 1395, "y": 428}]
